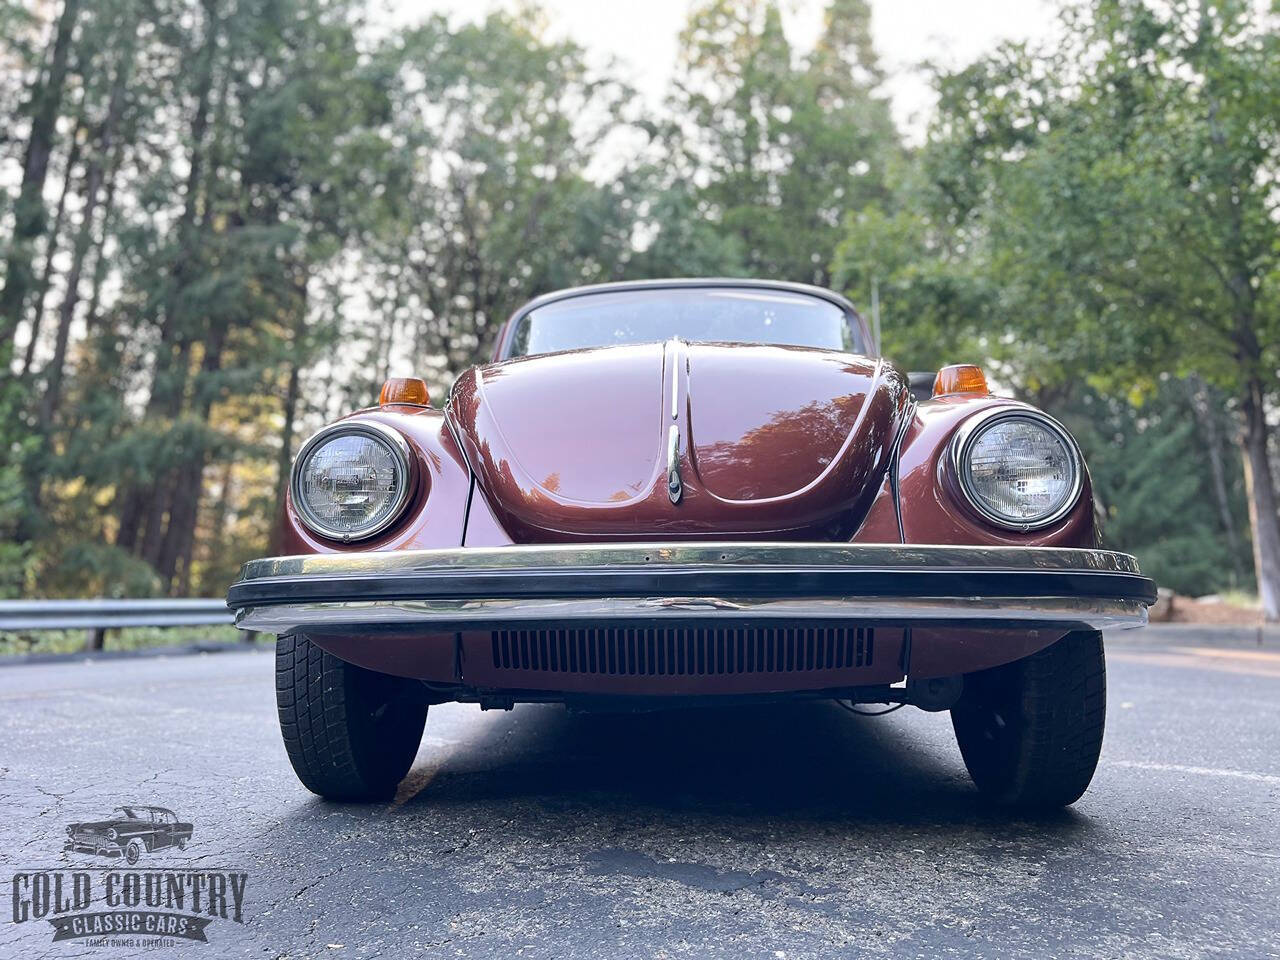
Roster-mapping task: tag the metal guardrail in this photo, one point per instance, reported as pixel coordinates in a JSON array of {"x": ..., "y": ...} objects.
[{"x": 110, "y": 614}]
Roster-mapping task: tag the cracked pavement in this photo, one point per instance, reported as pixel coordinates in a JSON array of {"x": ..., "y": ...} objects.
[{"x": 784, "y": 831}]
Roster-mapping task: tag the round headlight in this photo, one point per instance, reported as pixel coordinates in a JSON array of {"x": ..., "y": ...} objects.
[
  {"x": 352, "y": 480},
  {"x": 1020, "y": 470}
]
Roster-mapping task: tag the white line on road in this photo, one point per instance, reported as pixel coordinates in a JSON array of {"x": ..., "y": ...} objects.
[{"x": 1198, "y": 771}]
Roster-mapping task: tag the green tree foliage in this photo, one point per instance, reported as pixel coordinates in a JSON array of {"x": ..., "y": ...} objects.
[
  {"x": 494, "y": 128},
  {"x": 240, "y": 134},
  {"x": 933, "y": 297},
  {"x": 267, "y": 210},
  {"x": 782, "y": 145},
  {"x": 1134, "y": 455},
  {"x": 228, "y": 220},
  {"x": 1106, "y": 209}
]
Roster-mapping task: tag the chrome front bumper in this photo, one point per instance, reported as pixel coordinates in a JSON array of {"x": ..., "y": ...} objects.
[
  {"x": 101, "y": 847},
  {"x": 496, "y": 587}
]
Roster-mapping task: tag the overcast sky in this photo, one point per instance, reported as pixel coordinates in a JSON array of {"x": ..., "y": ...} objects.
[{"x": 641, "y": 36}]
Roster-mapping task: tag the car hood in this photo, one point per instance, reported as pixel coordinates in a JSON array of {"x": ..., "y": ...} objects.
[{"x": 785, "y": 442}]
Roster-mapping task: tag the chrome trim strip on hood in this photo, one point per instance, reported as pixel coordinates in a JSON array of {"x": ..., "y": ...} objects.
[{"x": 675, "y": 486}]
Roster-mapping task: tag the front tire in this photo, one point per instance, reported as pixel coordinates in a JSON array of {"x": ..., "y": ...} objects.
[
  {"x": 1030, "y": 731},
  {"x": 351, "y": 734},
  {"x": 133, "y": 851}
]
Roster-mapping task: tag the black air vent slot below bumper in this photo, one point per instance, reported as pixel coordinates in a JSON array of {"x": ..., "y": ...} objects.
[{"x": 683, "y": 651}]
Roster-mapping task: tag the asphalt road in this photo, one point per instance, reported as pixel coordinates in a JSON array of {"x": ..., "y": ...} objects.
[{"x": 776, "y": 832}]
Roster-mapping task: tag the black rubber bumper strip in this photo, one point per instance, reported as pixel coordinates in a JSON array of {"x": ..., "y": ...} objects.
[{"x": 657, "y": 581}]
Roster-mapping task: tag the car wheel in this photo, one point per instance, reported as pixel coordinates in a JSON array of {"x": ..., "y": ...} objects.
[
  {"x": 351, "y": 734},
  {"x": 1030, "y": 731},
  {"x": 182, "y": 844},
  {"x": 133, "y": 851}
]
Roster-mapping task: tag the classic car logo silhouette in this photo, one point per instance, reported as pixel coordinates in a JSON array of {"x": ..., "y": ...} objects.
[{"x": 129, "y": 832}]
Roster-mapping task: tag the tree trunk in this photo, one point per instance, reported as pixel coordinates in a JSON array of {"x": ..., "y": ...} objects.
[
  {"x": 170, "y": 386},
  {"x": 1264, "y": 512},
  {"x": 29, "y": 211},
  {"x": 52, "y": 396},
  {"x": 100, "y": 248},
  {"x": 51, "y": 250},
  {"x": 1206, "y": 410},
  {"x": 217, "y": 530},
  {"x": 149, "y": 499},
  {"x": 104, "y": 148},
  {"x": 284, "y": 458},
  {"x": 179, "y": 534},
  {"x": 1242, "y": 283}
]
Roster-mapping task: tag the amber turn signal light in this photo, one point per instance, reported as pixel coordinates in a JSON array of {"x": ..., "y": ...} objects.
[
  {"x": 960, "y": 378},
  {"x": 404, "y": 390}
]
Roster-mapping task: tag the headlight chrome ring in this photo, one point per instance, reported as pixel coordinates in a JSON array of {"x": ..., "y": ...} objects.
[
  {"x": 391, "y": 440},
  {"x": 962, "y": 468}
]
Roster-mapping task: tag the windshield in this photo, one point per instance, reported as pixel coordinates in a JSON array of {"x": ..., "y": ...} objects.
[{"x": 708, "y": 314}]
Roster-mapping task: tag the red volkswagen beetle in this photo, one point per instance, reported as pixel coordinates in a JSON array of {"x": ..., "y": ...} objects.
[{"x": 693, "y": 490}]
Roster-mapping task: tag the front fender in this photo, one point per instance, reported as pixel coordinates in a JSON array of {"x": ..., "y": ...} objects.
[
  {"x": 436, "y": 511},
  {"x": 932, "y": 508}
]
